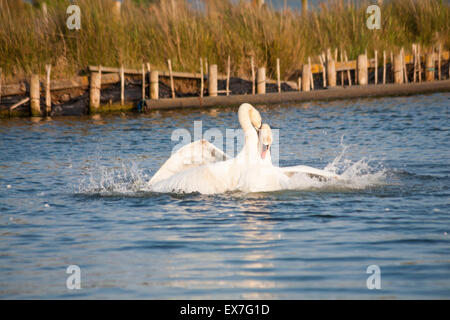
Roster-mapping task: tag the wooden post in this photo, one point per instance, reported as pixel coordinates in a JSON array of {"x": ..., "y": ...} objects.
[
  {"x": 384, "y": 66},
  {"x": 0, "y": 85},
  {"x": 228, "y": 75},
  {"x": 439, "y": 62},
  {"x": 299, "y": 83},
  {"x": 171, "y": 78},
  {"x": 258, "y": 3},
  {"x": 376, "y": 67},
  {"x": 306, "y": 77},
  {"x": 35, "y": 107},
  {"x": 154, "y": 85},
  {"x": 212, "y": 80},
  {"x": 201, "y": 78},
  {"x": 173, "y": 6},
  {"x": 405, "y": 71},
  {"x": 304, "y": 6},
  {"x": 252, "y": 65},
  {"x": 261, "y": 81},
  {"x": 416, "y": 62},
  {"x": 414, "y": 52},
  {"x": 100, "y": 71},
  {"x": 116, "y": 8},
  {"x": 21, "y": 102},
  {"x": 311, "y": 78},
  {"x": 278, "y": 76},
  {"x": 143, "y": 81},
  {"x": 419, "y": 61},
  {"x": 331, "y": 73},
  {"x": 429, "y": 65},
  {"x": 122, "y": 86},
  {"x": 342, "y": 72},
  {"x": 45, "y": 12},
  {"x": 148, "y": 77},
  {"x": 362, "y": 70},
  {"x": 349, "y": 75},
  {"x": 94, "y": 91},
  {"x": 323, "y": 71},
  {"x": 392, "y": 64},
  {"x": 398, "y": 68},
  {"x": 48, "y": 97}
]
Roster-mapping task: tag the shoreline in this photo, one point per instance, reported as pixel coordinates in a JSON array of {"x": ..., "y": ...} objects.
[
  {"x": 338, "y": 93},
  {"x": 115, "y": 93},
  {"x": 78, "y": 107}
]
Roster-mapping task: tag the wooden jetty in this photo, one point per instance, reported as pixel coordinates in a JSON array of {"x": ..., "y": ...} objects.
[{"x": 327, "y": 80}]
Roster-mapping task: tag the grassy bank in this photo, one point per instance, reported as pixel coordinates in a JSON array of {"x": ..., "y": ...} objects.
[{"x": 155, "y": 32}]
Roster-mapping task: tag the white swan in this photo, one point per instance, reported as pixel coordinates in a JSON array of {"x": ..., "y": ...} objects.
[
  {"x": 264, "y": 176},
  {"x": 201, "y": 167},
  {"x": 213, "y": 171}
]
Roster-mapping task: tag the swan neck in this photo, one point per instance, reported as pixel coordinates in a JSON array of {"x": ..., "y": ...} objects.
[{"x": 244, "y": 116}]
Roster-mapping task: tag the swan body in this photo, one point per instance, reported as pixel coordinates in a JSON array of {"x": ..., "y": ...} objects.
[
  {"x": 195, "y": 154},
  {"x": 215, "y": 172},
  {"x": 201, "y": 167},
  {"x": 210, "y": 178},
  {"x": 265, "y": 177}
]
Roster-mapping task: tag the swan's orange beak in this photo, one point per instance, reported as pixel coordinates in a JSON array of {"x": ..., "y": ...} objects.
[{"x": 265, "y": 148}]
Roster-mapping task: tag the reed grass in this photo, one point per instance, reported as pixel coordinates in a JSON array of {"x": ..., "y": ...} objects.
[{"x": 154, "y": 32}]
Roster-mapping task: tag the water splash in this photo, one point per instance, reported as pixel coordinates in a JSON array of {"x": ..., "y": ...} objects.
[
  {"x": 353, "y": 175},
  {"x": 334, "y": 165},
  {"x": 130, "y": 180},
  {"x": 124, "y": 179},
  {"x": 357, "y": 175}
]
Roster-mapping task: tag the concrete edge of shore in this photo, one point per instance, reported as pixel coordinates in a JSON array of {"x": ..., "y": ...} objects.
[{"x": 300, "y": 96}]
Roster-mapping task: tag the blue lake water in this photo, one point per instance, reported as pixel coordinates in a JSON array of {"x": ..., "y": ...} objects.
[{"x": 73, "y": 192}]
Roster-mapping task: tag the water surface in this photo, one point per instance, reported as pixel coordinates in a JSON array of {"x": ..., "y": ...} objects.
[{"x": 73, "y": 192}]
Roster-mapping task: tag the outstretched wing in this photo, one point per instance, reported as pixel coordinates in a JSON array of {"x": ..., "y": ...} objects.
[
  {"x": 319, "y": 174},
  {"x": 195, "y": 154}
]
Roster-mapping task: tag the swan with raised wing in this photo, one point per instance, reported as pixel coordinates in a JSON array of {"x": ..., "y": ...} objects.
[{"x": 201, "y": 167}]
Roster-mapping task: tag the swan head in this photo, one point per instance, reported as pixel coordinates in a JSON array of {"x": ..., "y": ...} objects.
[
  {"x": 255, "y": 118},
  {"x": 264, "y": 141},
  {"x": 249, "y": 116}
]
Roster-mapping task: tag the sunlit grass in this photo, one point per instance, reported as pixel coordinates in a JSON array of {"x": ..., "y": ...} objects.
[{"x": 153, "y": 33}]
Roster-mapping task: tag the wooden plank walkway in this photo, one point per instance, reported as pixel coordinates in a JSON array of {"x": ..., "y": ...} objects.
[{"x": 177, "y": 74}]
